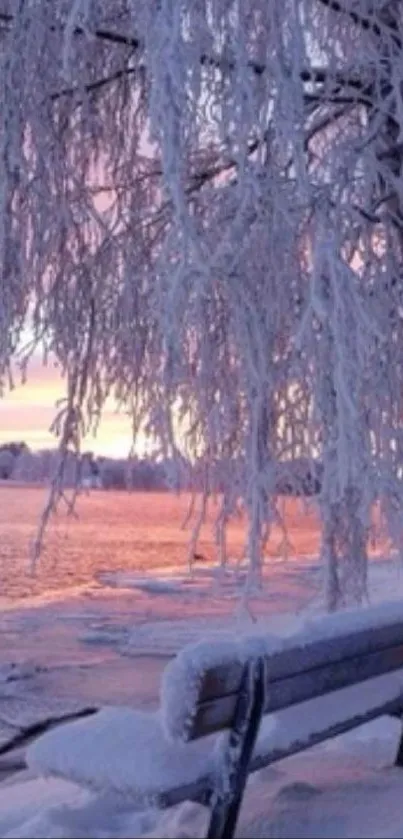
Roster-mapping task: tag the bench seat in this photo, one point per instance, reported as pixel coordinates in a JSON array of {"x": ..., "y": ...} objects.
[{"x": 126, "y": 751}]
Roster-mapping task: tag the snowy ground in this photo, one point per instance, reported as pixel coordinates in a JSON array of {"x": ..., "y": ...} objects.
[{"x": 108, "y": 644}]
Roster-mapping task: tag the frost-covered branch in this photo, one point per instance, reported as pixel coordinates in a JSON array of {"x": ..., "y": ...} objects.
[{"x": 200, "y": 215}]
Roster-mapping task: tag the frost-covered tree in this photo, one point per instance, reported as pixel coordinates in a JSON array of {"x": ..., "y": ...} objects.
[
  {"x": 6, "y": 464},
  {"x": 201, "y": 212},
  {"x": 39, "y": 467},
  {"x": 25, "y": 467}
]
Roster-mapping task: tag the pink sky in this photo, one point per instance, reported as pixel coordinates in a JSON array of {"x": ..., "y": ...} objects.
[{"x": 27, "y": 412}]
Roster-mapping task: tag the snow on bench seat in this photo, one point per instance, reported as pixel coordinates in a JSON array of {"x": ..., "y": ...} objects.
[{"x": 125, "y": 751}]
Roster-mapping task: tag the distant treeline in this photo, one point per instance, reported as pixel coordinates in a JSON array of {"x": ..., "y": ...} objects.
[
  {"x": 19, "y": 463},
  {"x": 299, "y": 477}
]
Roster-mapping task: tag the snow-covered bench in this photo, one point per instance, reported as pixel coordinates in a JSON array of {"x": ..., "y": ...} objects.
[{"x": 269, "y": 697}]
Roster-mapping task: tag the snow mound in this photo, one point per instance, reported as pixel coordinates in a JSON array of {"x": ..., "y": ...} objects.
[
  {"x": 125, "y": 579},
  {"x": 159, "y": 586},
  {"x": 56, "y": 809},
  {"x": 25, "y": 803},
  {"x": 320, "y": 794},
  {"x": 123, "y": 751},
  {"x": 111, "y": 635},
  {"x": 203, "y": 580}
]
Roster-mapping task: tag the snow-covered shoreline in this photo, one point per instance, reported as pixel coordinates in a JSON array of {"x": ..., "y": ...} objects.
[{"x": 108, "y": 644}]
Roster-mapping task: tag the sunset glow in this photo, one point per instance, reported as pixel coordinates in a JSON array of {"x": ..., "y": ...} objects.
[{"x": 27, "y": 412}]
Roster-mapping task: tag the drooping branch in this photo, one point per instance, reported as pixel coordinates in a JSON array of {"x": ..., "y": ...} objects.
[
  {"x": 91, "y": 87},
  {"x": 99, "y": 32},
  {"x": 374, "y": 25}
]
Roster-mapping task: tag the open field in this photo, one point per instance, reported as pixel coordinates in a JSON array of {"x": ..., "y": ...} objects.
[{"x": 115, "y": 531}]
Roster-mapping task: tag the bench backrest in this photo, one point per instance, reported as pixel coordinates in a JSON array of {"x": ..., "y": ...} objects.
[{"x": 201, "y": 686}]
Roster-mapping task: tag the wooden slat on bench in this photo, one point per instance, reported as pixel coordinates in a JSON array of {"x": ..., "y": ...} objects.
[
  {"x": 226, "y": 679},
  {"x": 300, "y": 673},
  {"x": 273, "y": 752}
]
